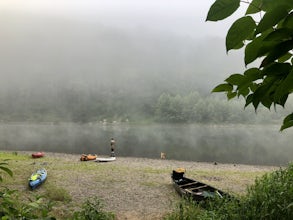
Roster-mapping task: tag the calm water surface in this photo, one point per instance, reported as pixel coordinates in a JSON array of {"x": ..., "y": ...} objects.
[{"x": 248, "y": 144}]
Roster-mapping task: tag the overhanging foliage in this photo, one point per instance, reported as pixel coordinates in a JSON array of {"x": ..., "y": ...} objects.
[{"x": 268, "y": 38}]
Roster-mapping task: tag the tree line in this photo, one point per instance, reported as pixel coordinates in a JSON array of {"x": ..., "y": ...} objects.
[
  {"x": 195, "y": 108},
  {"x": 90, "y": 105}
]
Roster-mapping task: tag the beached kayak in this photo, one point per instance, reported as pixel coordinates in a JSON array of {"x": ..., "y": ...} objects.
[
  {"x": 37, "y": 178},
  {"x": 38, "y": 154}
]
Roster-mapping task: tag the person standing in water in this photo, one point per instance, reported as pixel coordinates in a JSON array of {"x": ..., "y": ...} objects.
[{"x": 112, "y": 145}]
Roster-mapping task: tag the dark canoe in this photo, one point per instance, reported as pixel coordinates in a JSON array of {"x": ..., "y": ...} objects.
[{"x": 196, "y": 190}]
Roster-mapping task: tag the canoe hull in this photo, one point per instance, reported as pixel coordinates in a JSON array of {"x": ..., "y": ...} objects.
[
  {"x": 37, "y": 178},
  {"x": 196, "y": 190}
]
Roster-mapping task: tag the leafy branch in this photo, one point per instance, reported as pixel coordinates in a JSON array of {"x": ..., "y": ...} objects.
[{"x": 269, "y": 40}]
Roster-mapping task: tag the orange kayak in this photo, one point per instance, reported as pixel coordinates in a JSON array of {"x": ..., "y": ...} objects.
[{"x": 86, "y": 157}]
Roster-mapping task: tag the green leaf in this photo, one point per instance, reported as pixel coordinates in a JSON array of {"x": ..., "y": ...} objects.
[
  {"x": 253, "y": 74},
  {"x": 223, "y": 88},
  {"x": 222, "y": 9},
  {"x": 284, "y": 88},
  {"x": 288, "y": 118},
  {"x": 280, "y": 35},
  {"x": 271, "y": 4},
  {"x": 287, "y": 122},
  {"x": 258, "y": 47},
  {"x": 240, "y": 45},
  {"x": 288, "y": 22},
  {"x": 245, "y": 81},
  {"x": 240, "y": 30},
  {"x": 261, "y": 94},
  {"x": 254, "y": 7},
  {"x": 255, "y": 102},
  {"x": 235, "y": 79},
  {"x": 278, "y": 69},
  {"x": 231, "y": 95},
  {"x": 284, "y": 58},
  {"x": 253, "y": 86},
  {"x": 277, "y": 52},
  {"x": 244, "y": 91},
  {"x": 271, "y": 18},
  {"x": 249, "y": 100},
  {"x": 283, "y": 100},
  {"x": 251, "y": 50}
]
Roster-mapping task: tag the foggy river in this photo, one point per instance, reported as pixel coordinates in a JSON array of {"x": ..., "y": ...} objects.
[{"x": 247, "y": 144}]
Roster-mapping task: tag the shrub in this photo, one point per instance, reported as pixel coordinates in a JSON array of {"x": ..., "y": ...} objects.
[
  {"x": 185, "y": 209},
  {"x": 12, "y": 208},
  {"x": 92, "y": 209},
  {"x": 271, "y": 196}
]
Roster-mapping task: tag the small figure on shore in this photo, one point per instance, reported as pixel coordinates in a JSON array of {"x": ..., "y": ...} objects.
[{"x": 112, "y": 144}]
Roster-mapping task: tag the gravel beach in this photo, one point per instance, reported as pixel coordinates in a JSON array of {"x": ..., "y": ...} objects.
[{"x": 139, "y": 188}]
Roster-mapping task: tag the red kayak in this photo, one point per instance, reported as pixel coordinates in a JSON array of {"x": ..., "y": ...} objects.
[{"x": 38, "y": 154}]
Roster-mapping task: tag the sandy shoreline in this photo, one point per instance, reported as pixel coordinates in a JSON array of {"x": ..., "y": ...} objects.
[{"x": 140, "y": 188}]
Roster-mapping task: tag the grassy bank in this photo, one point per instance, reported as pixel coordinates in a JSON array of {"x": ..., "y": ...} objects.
[{"x": 132, "y": 188}]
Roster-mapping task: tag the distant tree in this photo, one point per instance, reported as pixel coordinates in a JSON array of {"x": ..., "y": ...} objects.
[
  {"x": 170, "y": 109},
  {"x": 189, "y": 103},
  {"x": 267, "y": 37}
]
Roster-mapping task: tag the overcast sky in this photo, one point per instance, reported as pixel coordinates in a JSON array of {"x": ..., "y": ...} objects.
[
  {"x": 185, "y": 17},
  {"x": 61, "y": 37}
]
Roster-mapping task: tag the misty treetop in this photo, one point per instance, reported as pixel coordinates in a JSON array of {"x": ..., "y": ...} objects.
[
  {"x": 85, "y": 104},
  {"x": 196, "y": 108},
  {"x": 268, "y": 38}
]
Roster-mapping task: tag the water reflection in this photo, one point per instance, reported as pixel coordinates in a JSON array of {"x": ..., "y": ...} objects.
[{"x": 246, "y": 144}]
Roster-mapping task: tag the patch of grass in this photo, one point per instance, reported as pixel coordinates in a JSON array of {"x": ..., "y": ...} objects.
[
  {"x": 226, "y": 173},
  {"x": 55, "y": 193},
  {"x": 236, "y": 180},
  {"x": 13, "y": 156},
  {"x": 185, "y": 210},
  {"x": 152, "y": 170},
  {"x": 149, "y": 184}
]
